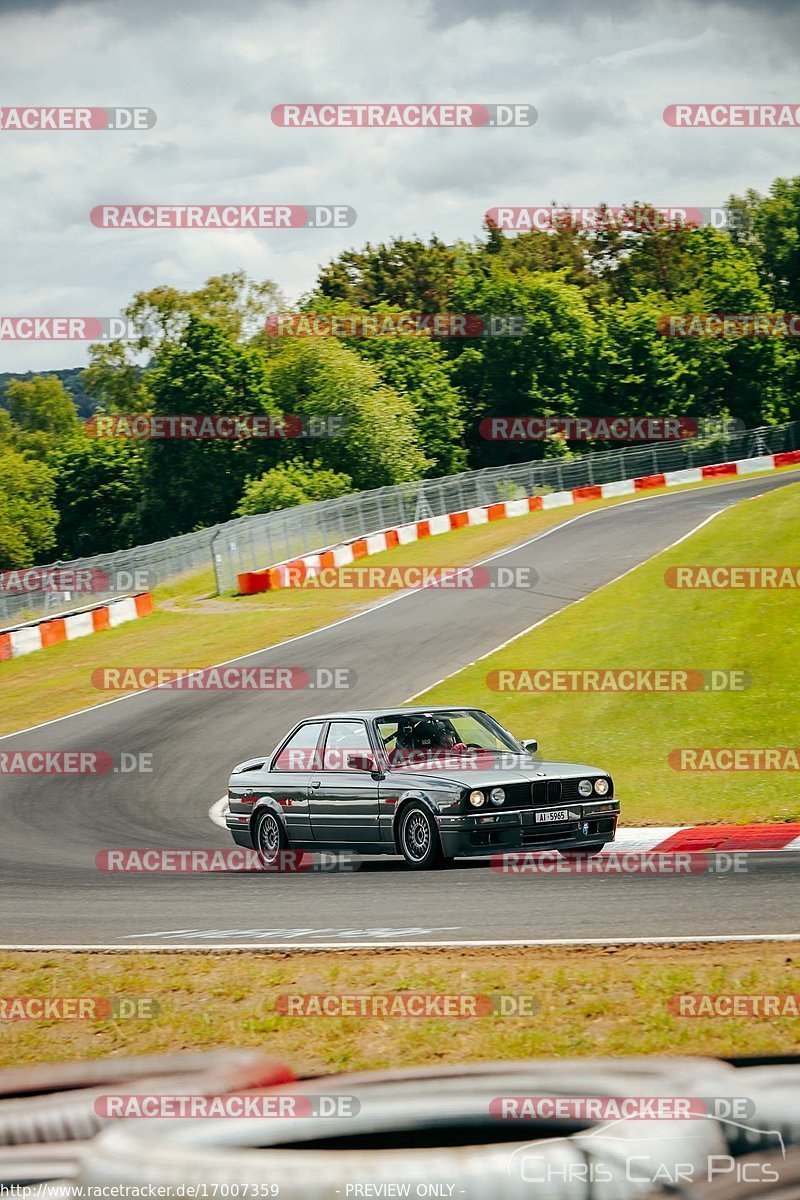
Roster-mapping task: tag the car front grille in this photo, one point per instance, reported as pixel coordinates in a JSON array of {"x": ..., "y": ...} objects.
[
  {"x": 547, "y": 791},
  {"x": 518, "y": 795}
]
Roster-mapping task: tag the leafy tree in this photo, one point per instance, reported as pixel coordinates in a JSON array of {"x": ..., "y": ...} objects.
[
  {"x": 323, "y": 379},
  {"x": 193, "y": 483},
  {"x": 160, "y": 317},
  {"x": 27, "y": 514},
  {"x": 548, "y": 370},
  {"x": 42, "y": 405},
  {"x": 115, "y": 382},
  {"x": 418, "y": 368},
  {"x": 771, "y": 230},
  {"x": 741, "y": 374},
  {"x": 409, "y": 274},
  {"x": 99, "y": 486},
  {"x": 291, "y": 483}
]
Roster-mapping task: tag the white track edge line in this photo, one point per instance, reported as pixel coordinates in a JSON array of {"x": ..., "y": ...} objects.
[{"x": 280, "y": 947}]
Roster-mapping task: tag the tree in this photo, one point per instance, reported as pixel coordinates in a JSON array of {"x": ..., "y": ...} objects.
[
  {"x": 771, "y": 230},
  {"x": 27, "y": 514},
  {"x": 42, "y": 405},
  {"x": 409, "y": 274},
  {"x": 159, "y": 318},
  {"x": 192, "y": 483},
  {"x": 99, "y": 486},
  {"x": 418, "y": 368},
  {"x": 548, "y": 370},
  {"x": 291, "y": 483},
  {"x": 322, "y": 379}
]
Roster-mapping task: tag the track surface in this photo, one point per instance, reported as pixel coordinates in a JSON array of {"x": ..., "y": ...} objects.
[{"x": 51, "y": 893}]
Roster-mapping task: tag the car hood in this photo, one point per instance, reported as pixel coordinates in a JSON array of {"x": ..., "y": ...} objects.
[{"x": 526, "y": 770}]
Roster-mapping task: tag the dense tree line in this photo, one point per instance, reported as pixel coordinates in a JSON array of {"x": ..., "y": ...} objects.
[{"x": 408, "y": 406}]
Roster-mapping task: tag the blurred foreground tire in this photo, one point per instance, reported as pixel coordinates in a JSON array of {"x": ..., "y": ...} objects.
[{"x": 428, "y": 1133}]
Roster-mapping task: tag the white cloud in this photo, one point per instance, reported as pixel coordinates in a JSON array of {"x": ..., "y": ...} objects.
[{"x": 599, "y": 75}]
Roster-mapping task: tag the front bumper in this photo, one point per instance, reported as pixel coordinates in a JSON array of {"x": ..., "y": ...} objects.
[{"x": 590, "y": 824}]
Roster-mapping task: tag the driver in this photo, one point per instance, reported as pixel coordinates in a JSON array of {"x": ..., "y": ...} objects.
[{"x": 427, "y": 734}]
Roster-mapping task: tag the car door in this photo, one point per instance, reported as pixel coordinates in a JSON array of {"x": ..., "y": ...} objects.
[
  {"x": 344, "y": 801},
  {"x": 289, "y": 779}
]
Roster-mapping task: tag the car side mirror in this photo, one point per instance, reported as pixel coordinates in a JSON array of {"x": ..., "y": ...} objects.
[
  {"x": 531, "y": 745},
  {"x": 361, "y": 762}
]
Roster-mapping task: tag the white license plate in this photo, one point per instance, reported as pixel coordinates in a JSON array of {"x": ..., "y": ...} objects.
[{"x": 554, "y": 814}]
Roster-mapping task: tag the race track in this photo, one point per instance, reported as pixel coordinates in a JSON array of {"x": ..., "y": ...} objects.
[{"x": 51, "y": 892}]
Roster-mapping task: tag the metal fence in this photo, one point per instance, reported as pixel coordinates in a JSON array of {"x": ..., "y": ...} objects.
[{"x": 249, "y": 543}]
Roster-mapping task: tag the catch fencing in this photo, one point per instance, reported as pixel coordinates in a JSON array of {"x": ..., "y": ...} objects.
[{"x": 248, "y": 543}]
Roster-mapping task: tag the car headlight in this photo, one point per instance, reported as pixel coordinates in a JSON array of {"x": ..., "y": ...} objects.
[
  {"x": 497, "y": 795},
  {"x": 585, "y": 787},
  {"x": 601, "y": 787},
  {"x": 477, "y": 799}
]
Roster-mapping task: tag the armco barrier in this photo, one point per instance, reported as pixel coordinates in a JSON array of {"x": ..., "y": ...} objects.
[
  {"x": 294, "y": 571},
  {"x": 38, "y": 635}
]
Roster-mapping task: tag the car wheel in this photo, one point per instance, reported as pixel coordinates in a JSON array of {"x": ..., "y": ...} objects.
[
  {"x": 270, "y": 838},
  {"x": 419, "y": 838},
  {"x": 583, "y": 852}
]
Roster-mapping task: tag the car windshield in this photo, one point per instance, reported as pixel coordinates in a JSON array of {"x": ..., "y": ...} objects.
[{"x": 443, "y": 733}]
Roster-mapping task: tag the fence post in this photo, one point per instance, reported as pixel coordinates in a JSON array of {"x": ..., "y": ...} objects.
[{"x": 214, "y": 537}]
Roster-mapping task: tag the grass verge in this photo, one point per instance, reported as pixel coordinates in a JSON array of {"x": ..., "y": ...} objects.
[
  {"x": 639, "y": 622},
  {"x": 592, "y": 1001}
]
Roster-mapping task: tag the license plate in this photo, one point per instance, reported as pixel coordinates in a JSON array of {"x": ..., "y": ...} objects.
[{"x": 554, "y": 814}]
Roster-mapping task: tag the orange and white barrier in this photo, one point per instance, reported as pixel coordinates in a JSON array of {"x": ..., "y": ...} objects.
[
  {"x": 295, "y": 570},
  {"x": 38, "y": 635}
]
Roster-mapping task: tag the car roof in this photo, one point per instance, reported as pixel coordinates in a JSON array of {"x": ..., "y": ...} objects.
[{"x": 390, "y": 710}]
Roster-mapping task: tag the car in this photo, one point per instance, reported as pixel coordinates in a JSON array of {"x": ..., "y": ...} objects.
[{"x": 432, "y": 784}]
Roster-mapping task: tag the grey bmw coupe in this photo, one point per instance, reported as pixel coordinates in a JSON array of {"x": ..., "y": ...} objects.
[{"x": 431, "y": 784}]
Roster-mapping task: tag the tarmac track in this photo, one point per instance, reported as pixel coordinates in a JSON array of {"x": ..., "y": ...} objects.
[{"x": 51, "y": 892}]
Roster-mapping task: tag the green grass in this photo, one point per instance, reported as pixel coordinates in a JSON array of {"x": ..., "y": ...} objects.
[
  {"x": 640, "y": 622},
  {"x": 592, "y": 1001},
  {"x": 192, "y": 628}
]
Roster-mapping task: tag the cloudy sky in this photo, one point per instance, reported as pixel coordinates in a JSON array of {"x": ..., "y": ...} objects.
[{"x": 599, "y": 74}]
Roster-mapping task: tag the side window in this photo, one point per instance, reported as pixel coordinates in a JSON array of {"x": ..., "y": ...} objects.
[
  {"x": 300, "y": 752},
  {"x": 344, "y": 738}
]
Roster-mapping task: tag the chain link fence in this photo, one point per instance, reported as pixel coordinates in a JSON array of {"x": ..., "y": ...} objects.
[{"x": 249, "y": 543}]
